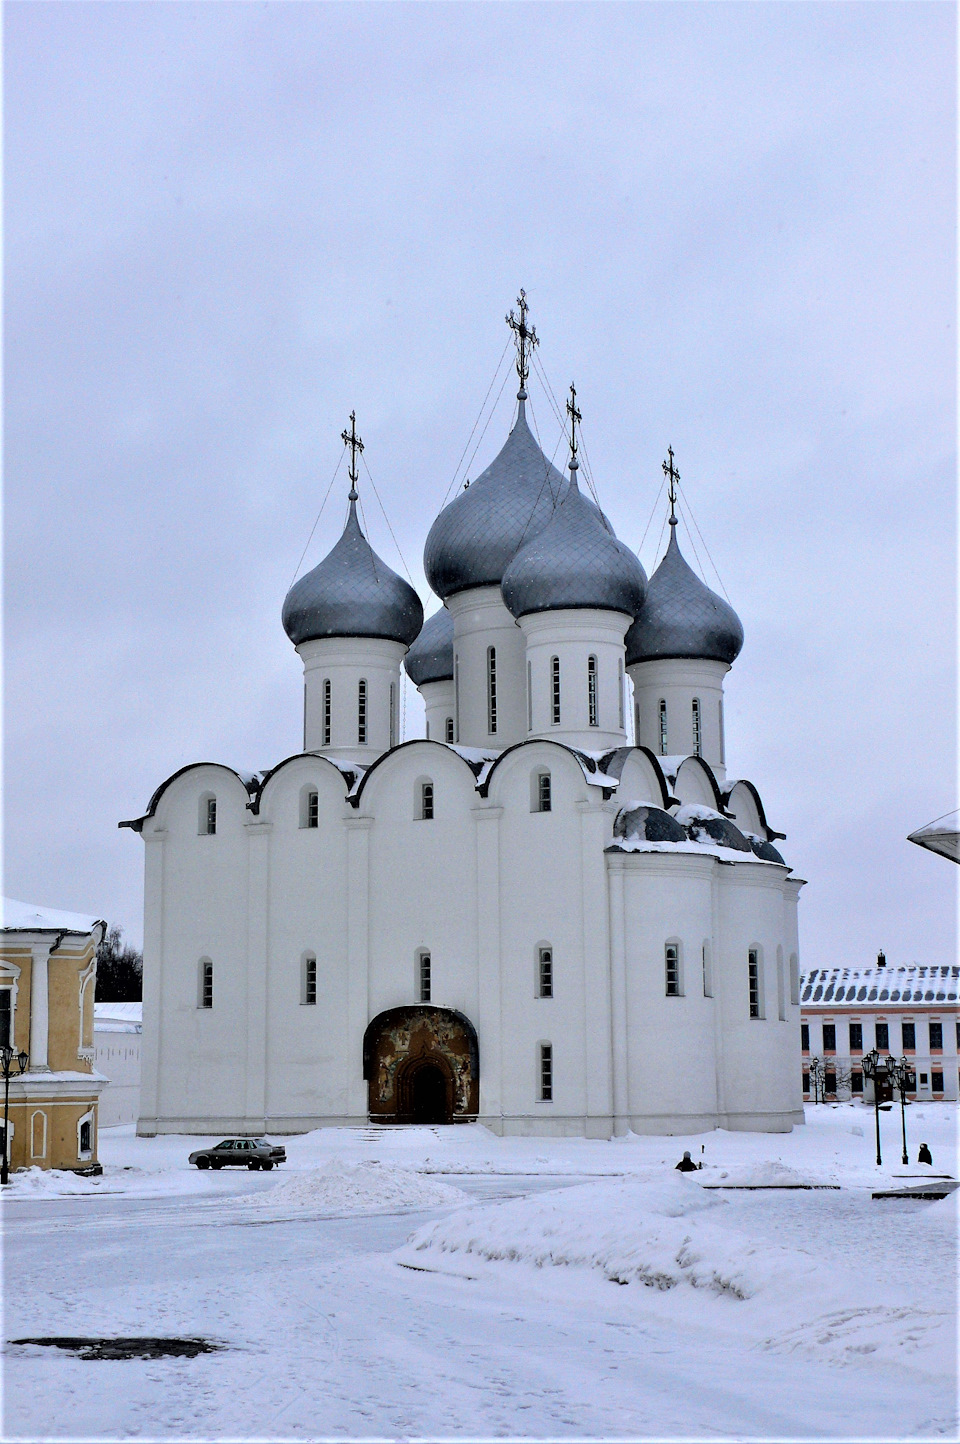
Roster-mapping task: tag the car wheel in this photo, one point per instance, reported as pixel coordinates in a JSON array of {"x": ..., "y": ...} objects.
[
  {"x": 268, "y": 1163},
  {"x": 216, "y": 1163},
  {"x": 253, "y": 1165},
  {"x": 203, "y": 1163}
]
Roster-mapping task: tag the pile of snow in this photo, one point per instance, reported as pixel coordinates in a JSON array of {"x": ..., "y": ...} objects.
[
  {"x": 769, "y": 1173},
  {"x": 659, "y": 1233},
  {"x": 362, "y": 1187},
  {"x": 49, "y": 1183}
]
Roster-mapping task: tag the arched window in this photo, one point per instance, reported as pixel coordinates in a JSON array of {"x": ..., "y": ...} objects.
[
  {"x": 6, "y": 1017},
  {"x": 541, "y": 797},
  {"x": 491, "y": 689},
  {"x": 448, "y": 729},
  {"x": 456, "y": 695},
  {"x": 423, "y": 800},
  {"x": 362, "y": 712},
  {"x": 205, "y": 990},
  {"x": 309, "y": 806},
  {"x": 423, "y": 976},
  {"x": 620, "y": 694},
  {"x": 207, "y": 820},
  {"x": 720, "y": 719},
  {"x": 327, "y": 711},
  {"x": 663, "y": 727},
  {"x": 393, "y": 714},
  {"x": 38, "y": 1134},
  {"x": 555, "y": 691},
  {"x": 707, "y": 971},
  {"x": 545, "y": 971},
  {"x": 672, "y": 969},
  {"x": 636, "y": 724},
  {"x": 529, "y": 696},
  {"x": 308, "y": 980},
  {"x": 754, "y": 983},
  {"x": 545, "y": 1081},
  {"x": 592, "y": 710},
  {"x": 794, "y": 980},
  {"x": 697, "y": 741},
  {"x": 781, "y": 988},
  {"x": 85, "y": 1136}
]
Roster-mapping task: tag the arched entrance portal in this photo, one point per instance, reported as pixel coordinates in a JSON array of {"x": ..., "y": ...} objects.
[{"x": 422, "y": 1066}]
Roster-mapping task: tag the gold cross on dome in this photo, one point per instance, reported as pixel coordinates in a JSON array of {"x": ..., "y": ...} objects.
[
  {"x": 525, "y": 337},
  {"x": 574, "y": 414},
  {"x": 673, "y": 476},
  {"x": 351, "y": 439}
]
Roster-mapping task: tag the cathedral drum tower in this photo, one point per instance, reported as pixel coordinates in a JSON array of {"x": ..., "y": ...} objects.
[{"x": 554, "y": 913}]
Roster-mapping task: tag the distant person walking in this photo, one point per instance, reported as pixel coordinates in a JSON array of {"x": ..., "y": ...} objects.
[
  {"x": 686, "y": 1164},
  {"x": 924, "y": 1156}
]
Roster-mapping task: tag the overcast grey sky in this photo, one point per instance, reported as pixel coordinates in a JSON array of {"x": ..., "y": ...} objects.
[{"x": 229, "y": 225}]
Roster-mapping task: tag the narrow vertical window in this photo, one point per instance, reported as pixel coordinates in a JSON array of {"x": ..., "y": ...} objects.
[
  {"x": 794, "y": 980},
  {"x": 448, "y": 729},
  {"x": 544, "y": 798},
  {"x": 723, "y": 757},
  {"x": 206, "y": 983},
  {"x": 85, "y": 1136},
  {"x": 456, "y": 695},
  {"x": 545, "y": 973},
  {"x": 546, "y": 1072},
  {"x": 327, "y": 711},
  {"x": 555, "y": 690},
  {"x": 636, "y": 724},
  {"x": 6, "y": 1018},
  {"x": 309, "y": 987},
  {"x": 663, "y": 727},
  {"x": 491, "y": 689},
  {"x": 529, "y": 696},
  {"x": 620, "y": 694},
  {"x": 707, "y": 972},
  {"x": 208, "y": 814},
  {"x": 781, "y": 988},
  {"x": 361, "y": 713},
  {"x": 313, "y": 809},
  {"x": 426, "y": 801},
  {"x": 393, "y": 714},
  {"x": 592, "y": 713},
  {"x": 753, "y": 982},
  {"x": 423, "y": 977},
  {"x": 697, "y": 739},
  {"x": 672, "y": 968}
]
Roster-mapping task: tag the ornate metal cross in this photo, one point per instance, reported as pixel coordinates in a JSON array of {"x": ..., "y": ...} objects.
[
  {"x": 673, "y": 476},
  {"x": 575, "y": 417},
  {"x": 525, "y": 336},
  {"x": 351, "y": 439}
]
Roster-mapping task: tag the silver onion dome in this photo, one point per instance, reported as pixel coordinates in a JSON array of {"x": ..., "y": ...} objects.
[
  {"x": 575, "y": 561},
  {"x": 474, "y": 539},
  {"x": 430, "y": 659},
  {"x": 352, "y": 593},
  {"x": 682, "y": 617}
]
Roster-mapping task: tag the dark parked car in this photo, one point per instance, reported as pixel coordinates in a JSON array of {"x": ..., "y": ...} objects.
[{"x": 240, "y": 1152}]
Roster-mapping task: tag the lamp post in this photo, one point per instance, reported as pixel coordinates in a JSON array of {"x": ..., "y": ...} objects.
[
  {"x": 875, "y": 1069},
  {"x": 7, "y": 1059},
  {"x": 901, "y": 1076},
  {"x": 816, "y": 1079}
]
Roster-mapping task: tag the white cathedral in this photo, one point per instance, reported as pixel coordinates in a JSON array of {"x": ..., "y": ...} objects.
[{"x": 526, "y": 918}]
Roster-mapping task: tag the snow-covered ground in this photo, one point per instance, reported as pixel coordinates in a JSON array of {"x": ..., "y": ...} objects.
[{"x": 397, "y": 1283}]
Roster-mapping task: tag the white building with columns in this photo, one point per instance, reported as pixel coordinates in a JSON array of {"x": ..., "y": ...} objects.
[{"x": 556, "y": 913}]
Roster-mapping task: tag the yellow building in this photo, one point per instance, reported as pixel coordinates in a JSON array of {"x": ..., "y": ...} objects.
[{"x": 48, "y": 971}]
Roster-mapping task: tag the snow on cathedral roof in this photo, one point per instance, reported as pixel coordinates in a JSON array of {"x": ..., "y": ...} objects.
[
  {"x": 908, "y": 983},
  {"x": 21, "y": 917}
]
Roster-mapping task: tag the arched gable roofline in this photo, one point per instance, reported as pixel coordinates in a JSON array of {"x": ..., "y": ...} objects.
[
  {"x": 247, "y": 781},
  {"x": 588, "y": 765},
  {"x": 393, "y": 1016},
  {"x": 355, "y": 796},
  {"x": 347, "y": 775},
  {"x": 614, "y": 763},
  {"x": 743, "y": 782},
  {"x": 707, "y": 771}
]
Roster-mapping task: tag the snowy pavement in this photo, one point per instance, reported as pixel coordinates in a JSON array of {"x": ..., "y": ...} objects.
[{"x": 445, "y": 1283}]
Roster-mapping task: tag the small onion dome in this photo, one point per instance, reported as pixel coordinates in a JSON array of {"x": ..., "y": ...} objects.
[
  {"x": 702, "y": 824},
  {"x": 682, "y": 617},
  {"x": 647, "y": 824},
  {"x": 430, "y": 659},
  {"x": 575, "y": 561},
  {"x": 474, "y": 539},
  {"x": 352, "y": 593}
]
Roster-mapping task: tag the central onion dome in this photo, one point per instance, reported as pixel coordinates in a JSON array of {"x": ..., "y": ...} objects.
[
  {"x": 474, "y": 539},
  {"x": 352, "y": 593},
  {"x": 575, "y": 561},
  {"x": 430, "y": 659},
  {"x": 682, "y": 617}
]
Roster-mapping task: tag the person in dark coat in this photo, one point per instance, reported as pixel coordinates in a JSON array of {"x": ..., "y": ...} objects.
[
  {"x": 686, "y": 1164},
  {"x": 924, "y": 1156}
]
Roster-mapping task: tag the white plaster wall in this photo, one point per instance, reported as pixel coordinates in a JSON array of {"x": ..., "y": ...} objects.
[
  {"x": 678, "y": 681},
  {"x": 117, "y": 1056},
  {"x": 438, "y": 702},
  {"x": 639, "y": 781},
  {"x": 345, "y": 660},
  {"x": 742, "y": 804},
  {"x": 480, "y": 621},
  {"x": 573, "y": 636}
]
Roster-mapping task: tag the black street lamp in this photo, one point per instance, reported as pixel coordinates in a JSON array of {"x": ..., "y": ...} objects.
[
  {"x": 7, "y": 1059},
  {"x": 902, "y": 1077},
  {"x": 816, "y": 1079},
  {"x": 874, "y": 1067}
]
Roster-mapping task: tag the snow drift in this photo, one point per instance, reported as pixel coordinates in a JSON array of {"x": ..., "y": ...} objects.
[{"x": 358, "y": 1188}]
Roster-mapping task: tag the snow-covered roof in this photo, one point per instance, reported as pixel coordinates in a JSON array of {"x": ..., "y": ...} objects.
[
  {"x": 118, "y": 1017},
  {"x": 21, "y": 917},
  {"x": 908, "y": 983},
  {"x": 942, "y": 836}
]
